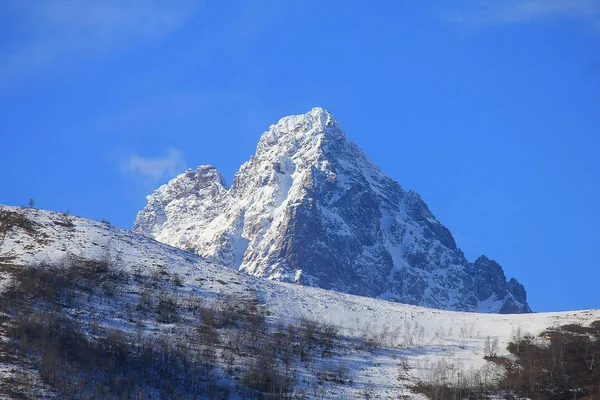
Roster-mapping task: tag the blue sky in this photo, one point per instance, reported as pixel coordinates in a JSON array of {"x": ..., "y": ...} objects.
[{"x": 490, "y": 110}]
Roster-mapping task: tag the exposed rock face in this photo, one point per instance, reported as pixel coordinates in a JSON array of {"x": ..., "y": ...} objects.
[
  {"x": 494, "y": 292},
  {"x": 490, "y": 279},
  {"x": 310, "y": 207}
]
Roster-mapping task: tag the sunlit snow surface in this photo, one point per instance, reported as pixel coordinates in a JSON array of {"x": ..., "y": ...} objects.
[{"x": 455, "y": 336}]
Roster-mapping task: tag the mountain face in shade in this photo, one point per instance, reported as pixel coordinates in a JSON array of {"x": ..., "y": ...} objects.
[{"x": 311, "y": 208}]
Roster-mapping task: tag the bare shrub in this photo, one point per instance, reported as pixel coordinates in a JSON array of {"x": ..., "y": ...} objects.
[
  {"x": 65, "y": 220},
  {"x": 167, "y": 310},
  {"x": 264, "y": 376},
  {"x": 490, "y": 347},
  {"x": 338, "y": 373},
  {"x": 413, "y": 334}
]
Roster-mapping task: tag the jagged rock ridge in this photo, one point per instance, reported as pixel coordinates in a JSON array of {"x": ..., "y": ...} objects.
[{"x": 310, "y": 207}]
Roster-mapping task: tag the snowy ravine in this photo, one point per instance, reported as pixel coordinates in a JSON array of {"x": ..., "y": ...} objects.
[
  {"x": 416, "y": 337},
  {"x": 311, "y": 208}
]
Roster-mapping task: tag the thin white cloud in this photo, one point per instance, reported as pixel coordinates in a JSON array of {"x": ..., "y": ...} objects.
[
  {"x": 488, "y": 12},
  {"x": 153, "y": 169},
  {"x": 52, "y": 33}
]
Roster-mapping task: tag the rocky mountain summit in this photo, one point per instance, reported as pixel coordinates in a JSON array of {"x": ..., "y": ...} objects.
[{"x": 311, "y": 208}]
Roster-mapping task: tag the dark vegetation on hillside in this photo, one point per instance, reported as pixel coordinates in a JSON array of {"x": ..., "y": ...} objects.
[
  {"x": 563, "y": 363},
  {"x": 74, "y": 355},
  {"x": 11, "y": 219}
]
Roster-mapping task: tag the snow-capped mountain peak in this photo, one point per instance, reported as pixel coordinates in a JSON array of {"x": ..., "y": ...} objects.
[
  {"x": 315, "y": 122},
  {"x": 310, "y": 207}
]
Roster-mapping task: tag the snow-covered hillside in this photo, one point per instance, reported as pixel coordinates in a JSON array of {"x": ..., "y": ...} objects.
[
  {"x": 311, "y": 208},
  {"x": 409, "y": 338}
]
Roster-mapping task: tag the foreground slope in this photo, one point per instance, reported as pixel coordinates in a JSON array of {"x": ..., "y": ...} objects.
[
  {"x": 405, "y": 337},
  {"x": 311, "y": 208}
]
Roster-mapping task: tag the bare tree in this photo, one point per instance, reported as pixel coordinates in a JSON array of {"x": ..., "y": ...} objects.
[
  {"x": 490, "y": 347},
  {"x": 517, "y": 338},
  {"x": 487, "y": 347}
]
